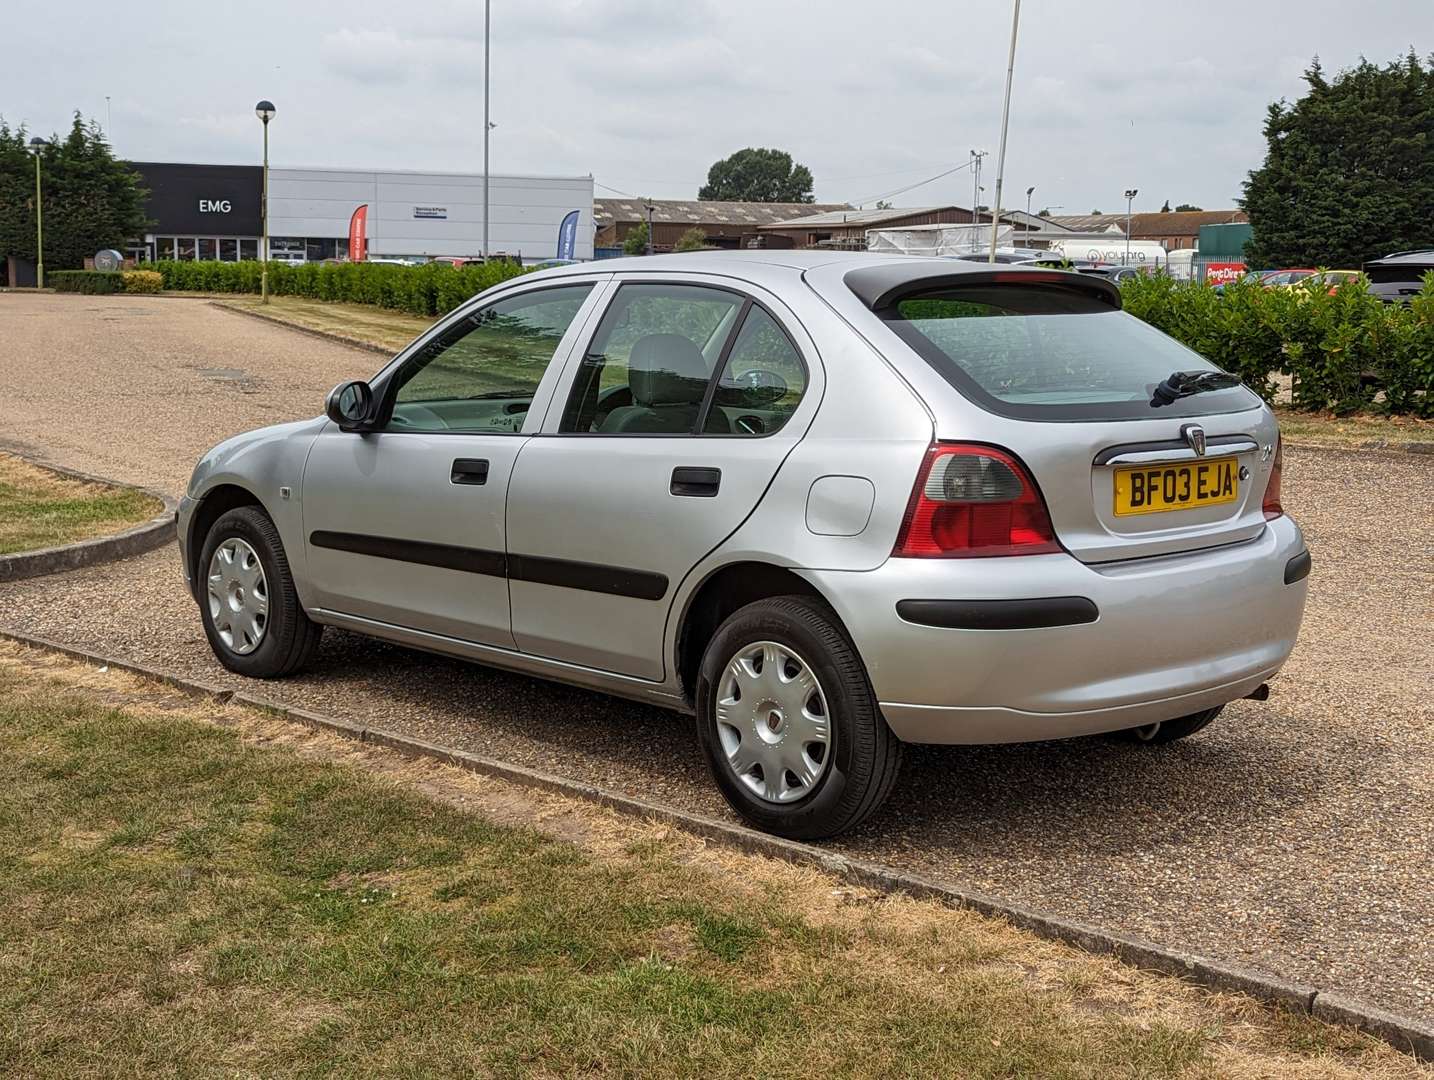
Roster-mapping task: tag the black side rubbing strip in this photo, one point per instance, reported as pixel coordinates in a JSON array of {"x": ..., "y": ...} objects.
[
  {"x": 564, "y": 573},
  {"x": 589, "y": 577},
  {"x": 999, "y": 614},
  {"x": 1298, "y": 568},
  {"x": 448, "y": 556}
]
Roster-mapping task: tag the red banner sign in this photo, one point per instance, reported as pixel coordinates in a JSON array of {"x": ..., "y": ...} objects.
[
  {"x": 1222, "y": 273},
  {"x": 358, "y": 238}
]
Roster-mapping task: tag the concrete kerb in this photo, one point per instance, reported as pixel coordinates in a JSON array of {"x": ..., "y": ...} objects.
[
  {"x": 1404, "y": 1033},
  {"x": 154, "y": 533}
]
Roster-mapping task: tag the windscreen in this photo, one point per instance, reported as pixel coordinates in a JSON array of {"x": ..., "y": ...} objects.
[{"x": 1043, "y": 353}]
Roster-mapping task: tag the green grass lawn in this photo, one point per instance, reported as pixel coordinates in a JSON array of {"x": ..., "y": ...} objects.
[
  {"x": 188, "y": 897},
  {"x": 40, "y": 509}
]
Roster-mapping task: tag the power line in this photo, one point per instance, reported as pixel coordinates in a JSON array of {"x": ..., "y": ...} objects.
[{"x": 913, "y": 187}]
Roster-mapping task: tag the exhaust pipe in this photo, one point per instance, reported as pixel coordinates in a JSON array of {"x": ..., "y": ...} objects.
[{"x": 1259, "y": 693}]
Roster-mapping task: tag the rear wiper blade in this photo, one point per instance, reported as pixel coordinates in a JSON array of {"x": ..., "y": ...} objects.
[{"x": 1179, "y": 384}]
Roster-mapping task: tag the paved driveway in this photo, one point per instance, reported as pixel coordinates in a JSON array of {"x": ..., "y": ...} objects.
[{"x": 1296, "y": 835}]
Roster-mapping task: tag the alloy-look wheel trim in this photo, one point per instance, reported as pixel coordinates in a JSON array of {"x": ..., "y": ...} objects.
[
  {"x": 773, "y": 722},
  {"x": 238, "y": 596}
]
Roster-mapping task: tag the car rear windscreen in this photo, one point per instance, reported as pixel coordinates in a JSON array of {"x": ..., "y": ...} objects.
[{"x": 1051, "y": 353}]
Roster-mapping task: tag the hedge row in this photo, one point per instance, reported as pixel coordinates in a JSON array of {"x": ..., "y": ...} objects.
[
  {"x": 428, "y": 290},
  {"x": 90, "y": 282},
  {"x": 1345, "y": 349}
]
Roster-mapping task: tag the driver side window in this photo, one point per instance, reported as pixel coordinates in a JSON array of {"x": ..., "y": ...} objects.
[{"x": 480, "y": 375}]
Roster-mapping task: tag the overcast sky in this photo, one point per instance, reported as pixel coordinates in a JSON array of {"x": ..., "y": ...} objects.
[{"x": 645, "y": 94}]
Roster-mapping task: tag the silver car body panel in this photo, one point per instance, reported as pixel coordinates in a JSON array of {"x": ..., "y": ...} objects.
[{"x": 1190, "y": 616}]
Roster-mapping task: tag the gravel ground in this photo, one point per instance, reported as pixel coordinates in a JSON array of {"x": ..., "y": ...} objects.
[{"x": 1295, "y": 835}]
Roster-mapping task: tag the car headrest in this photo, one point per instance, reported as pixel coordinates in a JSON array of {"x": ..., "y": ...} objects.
[{"x": 666, "y": 369}]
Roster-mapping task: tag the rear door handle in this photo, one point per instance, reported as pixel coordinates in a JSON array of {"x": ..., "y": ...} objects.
[
  {"x": 469, "y": 471},
  {"x": 695, "y": 481}
]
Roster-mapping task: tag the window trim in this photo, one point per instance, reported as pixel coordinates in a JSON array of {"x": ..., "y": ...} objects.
[
  {"x": 385, "y": 384},
  {"x": 748, "y": 303}
]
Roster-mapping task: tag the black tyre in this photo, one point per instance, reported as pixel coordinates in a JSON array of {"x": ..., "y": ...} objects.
[
  {"x": 789, "y": 724},
  {"x": 251, "y": 612},
  {"x": 1167, "y": 731}
]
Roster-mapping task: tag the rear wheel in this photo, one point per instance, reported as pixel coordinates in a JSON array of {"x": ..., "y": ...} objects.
[
  {"x": 789, "y": 723},
  {"x": 251, "y": 611},
  {"x": 1167, "y": 731}
]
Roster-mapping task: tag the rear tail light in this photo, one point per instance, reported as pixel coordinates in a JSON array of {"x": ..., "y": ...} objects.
[
  {"x": 972, "y": 501},
  {"x": 1271, "y": 505}
]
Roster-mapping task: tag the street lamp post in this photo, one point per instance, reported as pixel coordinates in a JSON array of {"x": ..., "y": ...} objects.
[
  {"x": 1130, "y": 195},
  {"x": 37, "y": 147},
  {"x": 649, "y": 207},
  {"x": 265, "y": 112},
  {"x": 1029, "y": 190}
]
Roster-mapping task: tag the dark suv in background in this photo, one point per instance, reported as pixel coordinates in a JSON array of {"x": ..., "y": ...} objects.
[{"x": 1395, "y": 278}]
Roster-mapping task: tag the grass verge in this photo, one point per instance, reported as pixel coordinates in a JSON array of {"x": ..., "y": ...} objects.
[
  {"x": 360, "y": 323},
  {"x": 40, "y": 508},
  {"x": 194, "y": 888}
]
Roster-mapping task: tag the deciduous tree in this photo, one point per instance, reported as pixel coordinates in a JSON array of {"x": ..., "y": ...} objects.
[{"x": 758, "y": 175}]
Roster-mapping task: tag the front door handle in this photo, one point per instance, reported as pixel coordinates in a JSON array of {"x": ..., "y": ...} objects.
[
  {"x": 469, "y": 471},
  {"x": 696, "y": 481}
]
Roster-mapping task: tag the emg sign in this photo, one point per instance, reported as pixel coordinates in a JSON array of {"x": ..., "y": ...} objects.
[{"x": 215, "y": 206}]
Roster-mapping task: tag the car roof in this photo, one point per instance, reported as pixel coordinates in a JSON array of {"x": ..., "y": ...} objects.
[{"x": 763, "y": 264}]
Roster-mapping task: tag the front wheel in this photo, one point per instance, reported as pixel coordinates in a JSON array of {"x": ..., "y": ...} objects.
[
  {"x": 251, "y": 611},
  {"x": 1167, "y": 731},
  {"x": 789, "y": 724}
]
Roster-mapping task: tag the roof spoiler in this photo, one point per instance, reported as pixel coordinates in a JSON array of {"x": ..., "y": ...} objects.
[{"x": 879, "y": 287}]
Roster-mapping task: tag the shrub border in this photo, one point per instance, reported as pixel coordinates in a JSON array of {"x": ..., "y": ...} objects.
[{"x": 1331, "y": 1006}]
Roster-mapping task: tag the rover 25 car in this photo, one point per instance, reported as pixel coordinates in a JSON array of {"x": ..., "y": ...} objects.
[{"x": 828, "y": 503}]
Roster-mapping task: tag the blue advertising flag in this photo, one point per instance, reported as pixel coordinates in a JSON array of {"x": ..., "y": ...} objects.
[{"x": 568, "y": 236}]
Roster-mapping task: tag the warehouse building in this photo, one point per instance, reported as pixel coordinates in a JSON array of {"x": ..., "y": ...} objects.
[
  {"x": 723, "y": 224},
  {"x": 213, "y": 212},
  {"x": 845, "y": 228}
]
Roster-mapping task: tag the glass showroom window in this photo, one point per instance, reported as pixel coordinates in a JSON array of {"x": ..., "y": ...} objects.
[{"x": 228, "y": 249}]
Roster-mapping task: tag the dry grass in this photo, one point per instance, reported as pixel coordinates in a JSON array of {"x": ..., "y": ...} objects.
[
  {"x": 360, "y": 323},
  {"x": 202, "y": 888},
  {"x": 40, "y": 508},
  {"x": 1354, "y": 432}
]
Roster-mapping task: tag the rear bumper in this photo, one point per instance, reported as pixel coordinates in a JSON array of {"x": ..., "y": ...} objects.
[{"x": 1121, "y": 645}]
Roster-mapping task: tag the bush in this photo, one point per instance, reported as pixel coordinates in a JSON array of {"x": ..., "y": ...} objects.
[
  {"x": 142, "y": 281},
  {"x": 90, "y": 282},
  {"x": 1344, "y": 349},
  {"x": 429, "y": 290}
]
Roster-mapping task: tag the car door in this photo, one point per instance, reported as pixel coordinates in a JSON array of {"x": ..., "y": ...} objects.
[
  {"x": 404, "y": 524},
  {"x": 665, "y": 436}
]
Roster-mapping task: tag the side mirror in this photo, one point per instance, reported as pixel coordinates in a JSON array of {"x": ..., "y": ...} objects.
[{"x": 349, "y": 404}]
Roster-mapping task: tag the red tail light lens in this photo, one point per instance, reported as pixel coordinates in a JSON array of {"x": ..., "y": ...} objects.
[
  {"x": 1272, "y": 506},
  {"x": 974, "y": 501}
]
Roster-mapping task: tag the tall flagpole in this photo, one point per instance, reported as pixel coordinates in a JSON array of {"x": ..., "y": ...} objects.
[
  {"x": 1005, "y": 122},
  {"x": 487, "y": 10}
]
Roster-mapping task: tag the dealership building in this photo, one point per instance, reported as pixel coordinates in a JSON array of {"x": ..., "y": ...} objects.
[{"x": 213, "y": 212}]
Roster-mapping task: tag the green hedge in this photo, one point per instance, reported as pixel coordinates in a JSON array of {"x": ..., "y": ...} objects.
[
  {"x": 90, "y": 282},
  {"x": 429, "y": 290},
  {"x": 1345, "y": 349}
]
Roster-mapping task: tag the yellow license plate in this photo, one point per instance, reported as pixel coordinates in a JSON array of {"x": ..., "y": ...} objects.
[{"x": 1151, "y": 489}]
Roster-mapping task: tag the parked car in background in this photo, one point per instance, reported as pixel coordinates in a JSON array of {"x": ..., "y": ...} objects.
[
  {"x": 1398, "y": 277},
  {"x": 829, "y": 503},
  {"x": 1272, "y": 279}
]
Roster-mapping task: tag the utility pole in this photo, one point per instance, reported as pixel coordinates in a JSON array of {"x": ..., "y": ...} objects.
[
  {"x": 1005, "y": 123},
  {"x": 1130, "y": 195},
  {"x": 1028, "y": 214},
  {"x": 487, "y": 12}
]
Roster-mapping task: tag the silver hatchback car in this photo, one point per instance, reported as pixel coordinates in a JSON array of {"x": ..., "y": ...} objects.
[{"x": 829, "y": 503}]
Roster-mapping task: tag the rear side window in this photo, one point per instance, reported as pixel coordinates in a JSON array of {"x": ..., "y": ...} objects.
[{"x": 1051, "y": 354}]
